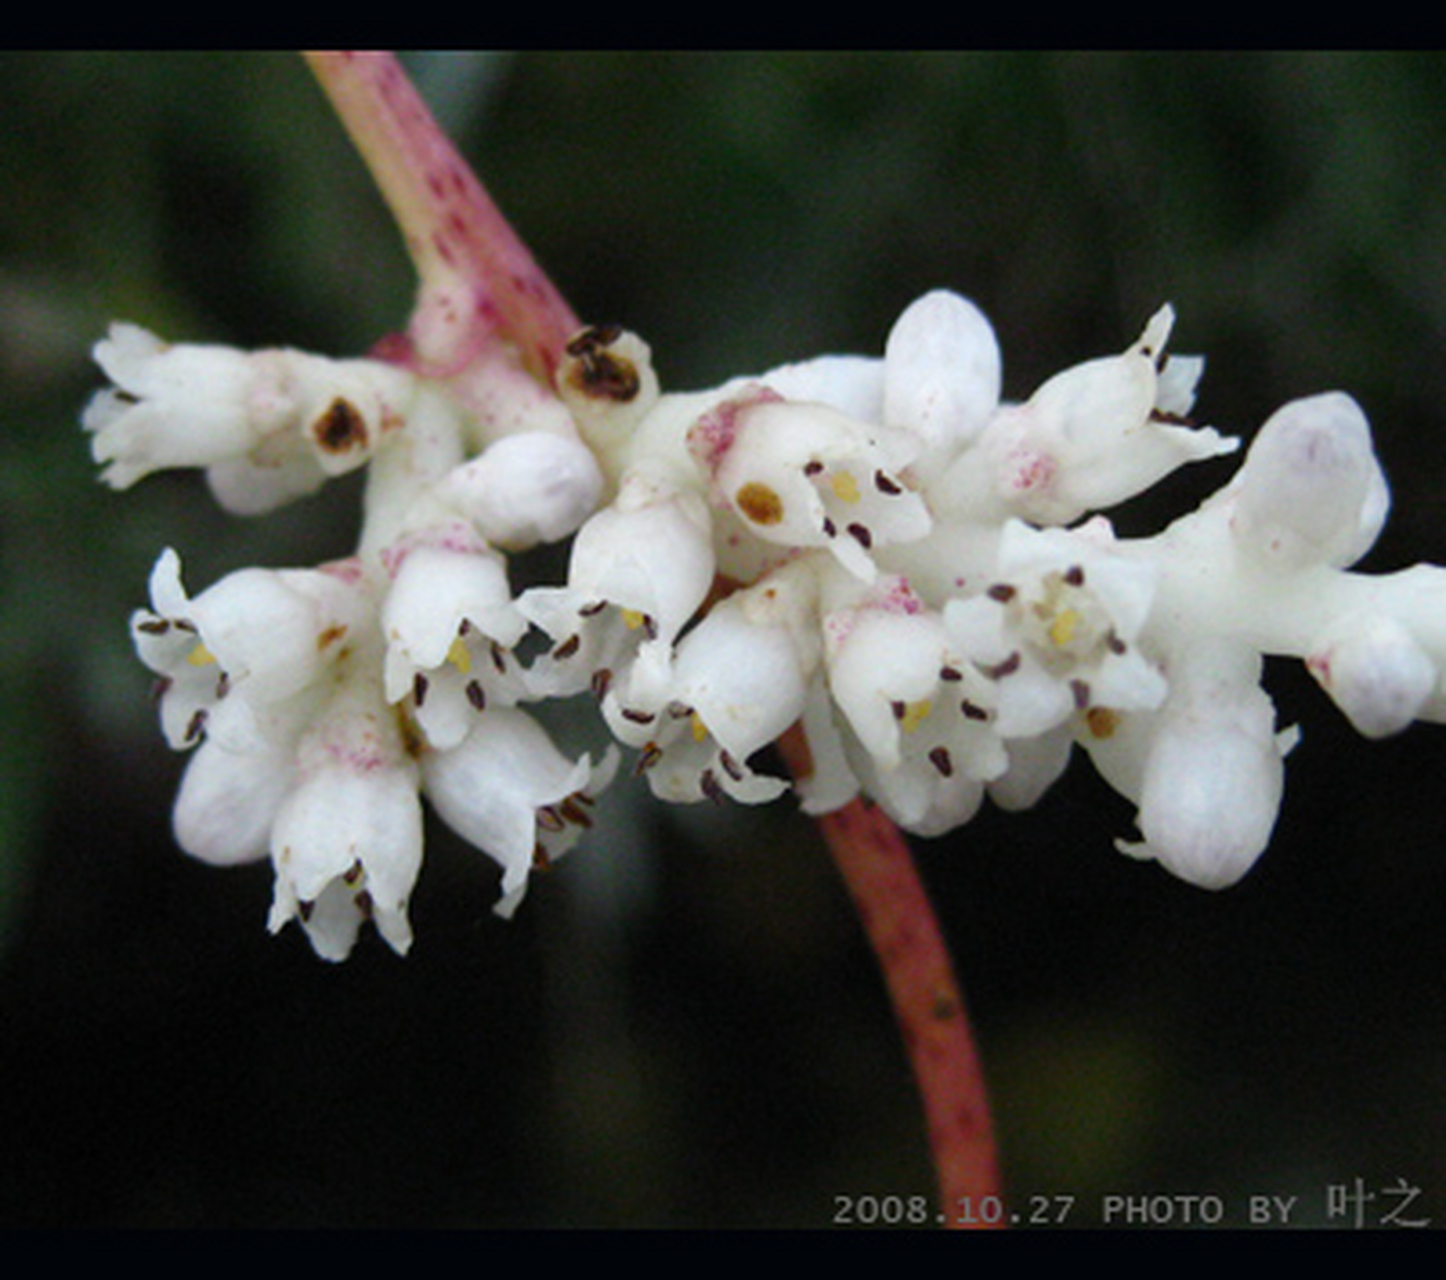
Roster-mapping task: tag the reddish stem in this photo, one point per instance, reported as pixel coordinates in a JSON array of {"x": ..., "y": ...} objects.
[
  {"x": 478, "y": 283},
  {"x": 878, "y": 868}
]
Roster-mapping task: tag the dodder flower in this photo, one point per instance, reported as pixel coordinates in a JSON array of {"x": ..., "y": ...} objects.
[
  {"x": 321, "y": 706},
  {"x": 265, "y": 426},
  {"x": 974, "y": 614},
  {"x": 884, "y": 553}
]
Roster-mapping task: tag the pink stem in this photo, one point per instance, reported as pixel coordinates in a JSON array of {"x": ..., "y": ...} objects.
[
  {"x": 478, "y": 283},
  {"x": 878, "y": 868},
  {"x": 478, "y": 286}
]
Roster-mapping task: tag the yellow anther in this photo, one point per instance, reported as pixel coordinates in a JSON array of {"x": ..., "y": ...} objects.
[
  {"x": 845, "y": 487},
  {"x": 700, "y": 730},
  {"x": 1062, "y": 629},
  {"x": 200, "y": 656},
  {"x": 633, "y": 619},
  {"x": 459, "y": 656},
  {"x": 914, "y": 713}
]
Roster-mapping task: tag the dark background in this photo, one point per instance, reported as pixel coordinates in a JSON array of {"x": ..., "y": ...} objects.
[{"x": 683, "y": 1026}]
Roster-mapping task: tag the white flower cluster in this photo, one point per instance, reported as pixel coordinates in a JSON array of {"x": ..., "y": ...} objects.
[
  {"x": 879, "y": 551},
  {"x": 320, "y": 705}
]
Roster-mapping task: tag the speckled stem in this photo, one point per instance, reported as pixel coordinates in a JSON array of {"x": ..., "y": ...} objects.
[
  {"x": 479, "y": 285},
  {"x": 877, "y": 866},
  {"x": 477, "y": 282}
]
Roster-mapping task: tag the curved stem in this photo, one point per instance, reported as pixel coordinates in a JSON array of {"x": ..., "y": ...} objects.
[
  {"x": 877, "y": 866},
  {"x": 478, "y": 283},
  {"x": 479, "y": 286}
]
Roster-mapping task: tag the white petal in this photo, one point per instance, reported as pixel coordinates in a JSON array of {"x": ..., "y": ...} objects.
[
  {"x": 526, "y": 488},
  {"x": 653, "y": 559},
  {"x": 1376, "y": 673},
  {"x": 1035, "y": 764},
  {"x": 342, "y": 832},
  {"x": 942, "y": 372},
  {"x": 1310, "y": 489},
  {"x": 490, "y": 788},
  {"x": 228, "y": 802},
  {"x": 1214, "y": 774}
]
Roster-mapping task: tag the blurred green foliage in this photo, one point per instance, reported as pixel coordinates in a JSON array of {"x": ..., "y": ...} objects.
[{"x": 684, "y": 1028}]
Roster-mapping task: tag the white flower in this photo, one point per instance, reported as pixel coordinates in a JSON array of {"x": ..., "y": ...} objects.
[
  {"x": 1057, "y": 630},
  {"x": 1310, "y": 490},
  {"x": 450, "y": 623},
  {"x": 733, "y": 685},
  {"x": 1089, "y": 437},
  {"x": 638, "y": 572},
  {"x": 525, "y": 489},
  {"x": 1206, "y": 770},
  {"x": 266, "y": 426},
  {"x": 942, "y": 373},
  {"x": 1376, "y": 672},
  {"x": 346, "y": 841},
  {"x": 806, "y": 475},
  {"x": 509, "y": 791},
  {"x": 257, "y": 636},
  {"x": 918, "y": 723}
]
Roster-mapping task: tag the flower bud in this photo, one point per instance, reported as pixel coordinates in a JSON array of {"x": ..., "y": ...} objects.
[
  {"x": 525, "y": 489},
  {"x": 1376, "y": 673},
  {"x": 1310, "y": 490},
  {"x": 1213, "y": 773},
  {"x": 942, "y": 372}
]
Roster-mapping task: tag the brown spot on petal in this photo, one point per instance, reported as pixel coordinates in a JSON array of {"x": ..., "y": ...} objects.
[
  {"x": 1102, "y": 721},
  {"x": 341, "y": 427},
  {"x": 759, "y": 503}
]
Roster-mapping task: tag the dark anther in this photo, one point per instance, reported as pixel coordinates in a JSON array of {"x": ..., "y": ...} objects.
[
  {"x": 599, "y": 372},
  {"x": 1006, "y": 668},
  {"x": 709, "y": 783}
]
